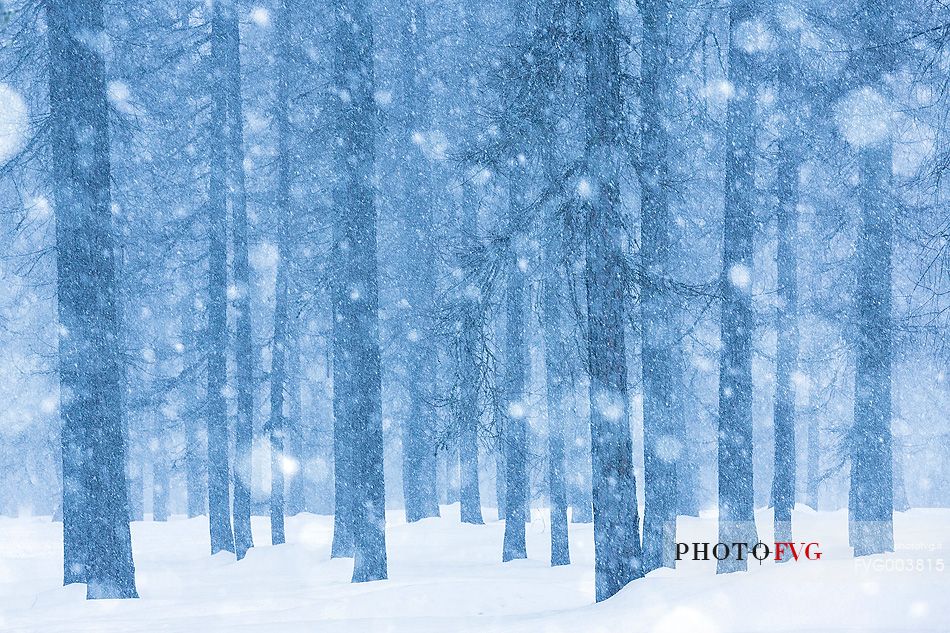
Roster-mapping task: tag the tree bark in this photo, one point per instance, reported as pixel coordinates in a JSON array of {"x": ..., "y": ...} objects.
[
  {"x": 736, "y": 493},
  {"x": 617, "y": 554},
  {"x": 97, "y": 548}
]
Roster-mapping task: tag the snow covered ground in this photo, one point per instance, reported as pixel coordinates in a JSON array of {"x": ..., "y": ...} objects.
[{"x": 448, "y": 577}]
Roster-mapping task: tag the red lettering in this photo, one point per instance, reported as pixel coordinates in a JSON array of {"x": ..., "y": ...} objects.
[{"x": 779, "y": 551}]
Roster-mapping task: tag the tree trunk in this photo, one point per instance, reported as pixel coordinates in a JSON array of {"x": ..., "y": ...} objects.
[
  {"x": 281, "y": 290},
  {"x": 296, "y": 492},
  {"x": 500, "y": 470},
  {"x": 516, "y": 378},
  {"x": 900, "y": 490},
  {"x": 469, "y": 338},
  {"x": 871, "y": 498},
  {"x": 582, "y": 508},
  {"x": 161, "y": 473},
  {"x": 786, "y": 363},
  {"x": 556, "y": 344},
  {"x": 661, "y": 444},
  {"x": 216, "y": 342},
  {"x": 97, "y": 548},
  {"x": 228, "y": 67},
  {"x": 418, "y": 437},
  {"x": 736, "y": 494},
  {"x": 356, "y": 363},
  {"x": 813, "y": 460},
  {"x": 135, "y": 471},
  {"x": 617, "y": 554}
]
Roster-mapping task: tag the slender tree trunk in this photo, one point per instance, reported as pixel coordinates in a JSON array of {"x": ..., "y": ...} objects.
[
  {"x": 661, "y": 444},
  {"x": 136, "y": 475},
  {"x": 687, "y": 474},
  {"x": 900, "y": 489},
  {"x": 216, "y": 343},
  {"x": 617, "y": 554},
  {"x": 736, "y": 494},
  {"x": 516, "y": 379},
  {"x": 469, "y": 344},
  {"x": 500, "y": 470},
  {"x": 296, "y": 496},
  {"x": 813, "y": 462},
  {"x": 469, "y": 349},
  {"x": 786, "y": 363},
  {"x": 281, "y": 292},
  {"x": 556, "y": 344},
  {"x": 230, "y": 75},
  {"x": 97, "y": 548},
  {"x": 582, "y": 508},
  {"x": 356, "y": 363},
  {"x": 469, "y": 337},
  {"x": 57, "y": 500},
  {"x": 161, "y": 473},
  {"x": 195, "y": 474},
  {"x": 344, "y": 483}
]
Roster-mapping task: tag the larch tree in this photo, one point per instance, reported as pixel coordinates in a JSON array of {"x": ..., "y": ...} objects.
[
  {"x": 282, "y": 291},
  {"x": 357, "y": 404},
  {"x": 216, "y": 339},
  {"x": 417, "y": 226},
  {"x": 736, "y": 499},
  {"x": 871, "y": 495},
  {"x": 617, "y": 553},
  {"x": 97, "y": 548},
  {"x": 228, "y": 72},
  {"x": 789, "y": 149},
  {"x": 658, "y": 305}
]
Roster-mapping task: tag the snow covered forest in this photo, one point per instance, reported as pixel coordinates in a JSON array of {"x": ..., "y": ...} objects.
[{"x": 442, "y": 315}]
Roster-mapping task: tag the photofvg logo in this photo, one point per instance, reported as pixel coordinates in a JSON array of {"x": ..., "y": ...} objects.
[{"x": 760, "y": 551}]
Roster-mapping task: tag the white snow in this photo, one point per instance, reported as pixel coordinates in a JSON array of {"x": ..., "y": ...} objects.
[
  {"x": 14, "y": 122},
  {"x": 583, "y": 188},
  {"x": 740, "y": 276},
  {"x": 863, "y": 117},
  {"x": 753, "y": 36},
  {"x": 260, "y": 16},
  {"x": 264, "y": 256},
  {"x": 119, "y": 96},
  {"x": 448, "y": 577}
]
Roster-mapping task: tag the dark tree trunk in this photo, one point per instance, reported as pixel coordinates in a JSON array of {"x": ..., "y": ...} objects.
[
  {"x": 97, "y": 548},
  {"x": 469, "y": 338},
  {"x": 516, "y": 379},
  {"x": 195, "y": 470},
  {"x": 582, "y": 506},
  {"x": 661, "y": 417},
  {"x": 418, "y": 438},
  {"x": 736, "y": 495},
  {"x": 900, "y": 489},
  {"x": 229, "y": 69},
  {"x": 871, "y": 499},
  {"x": 556, "y": 362},
  {"x": 135, "y": 468},
  {"x": 216, "y": 343},
  {"x": 617, "y": 554},
  {"x": 281, "y": 290},
  {"x": 500, "y": 470},
  {"x": 786, "y": 363},
  {"x": 356, "y": 364}
]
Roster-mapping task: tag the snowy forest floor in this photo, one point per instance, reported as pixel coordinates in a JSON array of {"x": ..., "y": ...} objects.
[{"x": 447, "y": 577}]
